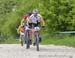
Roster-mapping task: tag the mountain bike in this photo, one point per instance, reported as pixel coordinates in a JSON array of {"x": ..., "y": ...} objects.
[
  {"x": 27, "y": 37},
  {"x": 36, "y": 35}
]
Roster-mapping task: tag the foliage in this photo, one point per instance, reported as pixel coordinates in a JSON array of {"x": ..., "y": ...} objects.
[{"x": 59, "y": 15}]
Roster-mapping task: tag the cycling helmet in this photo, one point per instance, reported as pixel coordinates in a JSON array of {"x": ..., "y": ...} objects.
[{"x": 35, "y": 11}]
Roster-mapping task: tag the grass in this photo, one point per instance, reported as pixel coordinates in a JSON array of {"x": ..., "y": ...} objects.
[
  {"x": 68, "y": 40},
  {"x": 61, "y": 39},
  {"x": 10, "y": 41}
]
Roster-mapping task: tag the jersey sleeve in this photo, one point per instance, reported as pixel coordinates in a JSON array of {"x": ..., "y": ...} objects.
[{"x": 24, "y": 17}]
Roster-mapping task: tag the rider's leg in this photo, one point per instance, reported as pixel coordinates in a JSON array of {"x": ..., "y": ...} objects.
[
  {"x": 33, "y": 36},
  {"x": 40, "y": 39},
  {"x": 21, "y": 34},
  {"x": 20, "y": 38}
]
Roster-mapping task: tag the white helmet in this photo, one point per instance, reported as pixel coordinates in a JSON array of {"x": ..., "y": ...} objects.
[{"x": 35, "y": 11}]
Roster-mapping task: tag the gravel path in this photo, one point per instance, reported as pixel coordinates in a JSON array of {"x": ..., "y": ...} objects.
[{"x": 46, "y": 51}]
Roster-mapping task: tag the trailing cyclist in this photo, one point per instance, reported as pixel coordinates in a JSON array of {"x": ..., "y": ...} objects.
[
  {"x": 21, "y": 30},
  {"x": 25, "y": 20}
]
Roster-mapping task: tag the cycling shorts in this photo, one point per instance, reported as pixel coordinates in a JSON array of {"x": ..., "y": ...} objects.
[{"x": 32, "y": 25}]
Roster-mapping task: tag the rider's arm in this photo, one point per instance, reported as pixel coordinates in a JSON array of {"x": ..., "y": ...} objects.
[
  {"x": 42, "y": 22},
  {"x": 28, "y": 21},
  {"x": 18, "y": 30},
  {"x": 22, "y": 20}
]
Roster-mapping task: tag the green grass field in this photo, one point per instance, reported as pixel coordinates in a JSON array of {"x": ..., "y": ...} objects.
[
  {"x": 62, "y": 39},
  {"x": 10, "y": 41},
  {"x": 68, "y": 40}
]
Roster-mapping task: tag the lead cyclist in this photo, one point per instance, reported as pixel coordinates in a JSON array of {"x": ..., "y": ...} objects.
[{"x": 35, "y": 20}]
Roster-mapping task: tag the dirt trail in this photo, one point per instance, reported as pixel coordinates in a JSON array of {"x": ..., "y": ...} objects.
[{"x": 46, "y": 51}]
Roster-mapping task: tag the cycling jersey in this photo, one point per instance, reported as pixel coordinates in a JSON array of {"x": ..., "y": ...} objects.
[
  {"x": 21, "y": 28},
  {"x": 25, "y": 17},
  {"x": 35, "y": 19}
]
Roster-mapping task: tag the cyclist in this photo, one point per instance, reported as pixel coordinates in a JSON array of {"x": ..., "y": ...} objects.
[
  {"x": 35, "y": 20},
  {"x": 25, "y": 20},
  {"x": 21, "y": 30}
]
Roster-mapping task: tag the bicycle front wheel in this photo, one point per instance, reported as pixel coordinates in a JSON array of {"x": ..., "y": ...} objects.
[
  {"x": 37, "y": 41},
  {"x": 27, "y": 39}
]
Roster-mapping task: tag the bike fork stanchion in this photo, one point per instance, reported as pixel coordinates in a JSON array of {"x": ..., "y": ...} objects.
[{"x": 37, "y": 41}]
